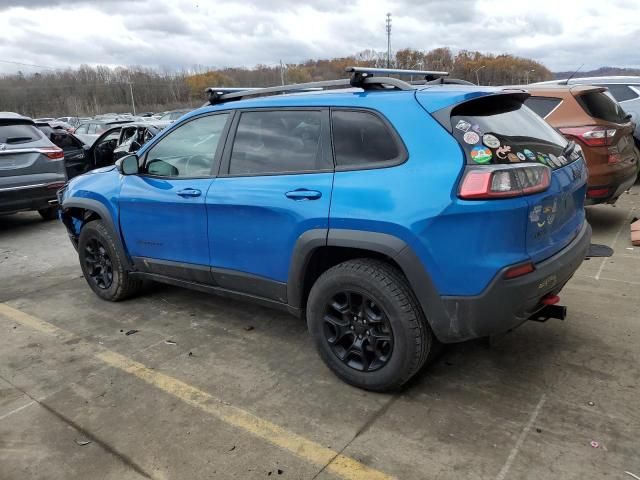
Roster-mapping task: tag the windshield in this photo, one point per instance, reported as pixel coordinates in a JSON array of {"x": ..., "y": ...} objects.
[{"x": 501, "y": 129}]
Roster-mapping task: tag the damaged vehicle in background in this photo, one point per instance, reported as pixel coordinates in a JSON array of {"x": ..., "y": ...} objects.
[
  {"x": 118, "y": 142},
  {"x": 590, "y": 117}
]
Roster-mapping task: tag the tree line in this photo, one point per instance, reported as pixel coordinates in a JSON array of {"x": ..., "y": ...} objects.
[{"x": 88, "y": 91}]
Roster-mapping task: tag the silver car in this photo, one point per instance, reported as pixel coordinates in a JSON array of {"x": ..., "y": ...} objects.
[
  {"x": 624, "y": 89},
  {"x": 31, "y": 167}
]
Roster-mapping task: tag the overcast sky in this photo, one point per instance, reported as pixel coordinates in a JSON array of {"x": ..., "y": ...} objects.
[{"x": 562, "y": 34}]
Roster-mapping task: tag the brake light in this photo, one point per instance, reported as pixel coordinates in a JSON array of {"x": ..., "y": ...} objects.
[
  {"x": 52, "y": 152},
  {"x": 502, "y": 181},
  {"x": 592, "y": 135},
  {"x": 598, "y": 192},
  {"x": 519, "y": 270}
]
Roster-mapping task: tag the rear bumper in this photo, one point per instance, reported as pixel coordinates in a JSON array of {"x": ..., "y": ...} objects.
[
  {"x": 505, "y": 304},
  {"x": 616, "y": 187},
  {"x": 33, "y": 197}
]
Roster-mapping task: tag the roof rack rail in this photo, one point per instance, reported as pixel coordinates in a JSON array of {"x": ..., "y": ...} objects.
[
  {"x": 359, "y": 73},
  {"x": 218, "y": 95}
]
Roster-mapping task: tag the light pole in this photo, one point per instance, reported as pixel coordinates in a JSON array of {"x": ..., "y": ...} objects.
[
  {"x": 388, "y": 40},
  {"x": 476, "y": 72},
  {"x": 419, "y": 64},
  {"x": 133, "y": 103},
  {"x": 527, "y": 72}
]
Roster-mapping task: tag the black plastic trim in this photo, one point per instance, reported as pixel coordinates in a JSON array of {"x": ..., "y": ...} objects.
[
  {"x": 105, "y": 216},
  {"x": 302, "y": 252},
  {"x": 249, "y": 284},
  {"x": 185, "y": 271}
]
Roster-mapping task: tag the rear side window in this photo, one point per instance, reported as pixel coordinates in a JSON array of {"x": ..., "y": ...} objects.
[
  {"x": 16, "y": 133},
  {"x": 621, "y": 93},
  {"x": 543, "y": 106},
  {"x": 501, "y": 129},
  {"x": 279, "y": 141},
  {"x": 599, "y": 105},
  {"x": 362, "y": 139}
]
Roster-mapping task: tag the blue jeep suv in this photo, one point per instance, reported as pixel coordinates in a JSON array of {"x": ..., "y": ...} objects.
[{"x": 391, "y": 216}]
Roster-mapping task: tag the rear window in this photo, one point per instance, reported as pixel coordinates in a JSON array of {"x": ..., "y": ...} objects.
[
  {"x": 599, "y": 105},
  {"x": 17, "y": 133},
  {"x": 543, "y": 106},
  {"x": 501, "y": 129}
]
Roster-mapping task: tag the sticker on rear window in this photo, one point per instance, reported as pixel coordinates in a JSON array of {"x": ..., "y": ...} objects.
[
  {"x": 463, "y": 125},
  {"x": 490, "y": 141},
  {"x": 481, "y": 154},
  {"x": 502, "y": 152},
  {"x": 555, "y": 160},
  {"x": 471, "y": 138},
  {"x": 513, "y": 158},
  {"x": 521, "y": 156},
  {"x": 530, "y": 155}
]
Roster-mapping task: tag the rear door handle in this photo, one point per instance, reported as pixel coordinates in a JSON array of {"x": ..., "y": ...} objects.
[
  {"x": 189, "y": 192},
  {"x": 303, "y": 194}
]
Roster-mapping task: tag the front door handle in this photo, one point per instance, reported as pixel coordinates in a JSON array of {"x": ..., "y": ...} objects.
[
  {"x": 303, "y": 194},
  {"x": 189, "y": 192}
]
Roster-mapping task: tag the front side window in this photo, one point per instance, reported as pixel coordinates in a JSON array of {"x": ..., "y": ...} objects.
[
  {"x": 189, "y": 150},
  {"x": 280, "y": 141},
  {"x": 362, "y": 139}
]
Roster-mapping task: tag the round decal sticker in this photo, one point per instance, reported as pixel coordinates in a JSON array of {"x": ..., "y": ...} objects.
[
  {"x": 471, "y": 138},
  {"x": 490, "y": 141},
  {"x": 529, "y": 154},
  {"x": 513, "y": 158},
  {"x": 521, "y": 156},
  {"x": 542, "y": 158},
  {"x": 481, "y": 154}
]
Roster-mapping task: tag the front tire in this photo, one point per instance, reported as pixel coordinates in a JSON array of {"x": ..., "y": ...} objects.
[
  {"x": 367, "y": 325},
  {"x": 102, "y": 267}
]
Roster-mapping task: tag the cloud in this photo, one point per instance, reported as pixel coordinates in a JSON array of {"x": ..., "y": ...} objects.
[{"x": 184, "y": 33}]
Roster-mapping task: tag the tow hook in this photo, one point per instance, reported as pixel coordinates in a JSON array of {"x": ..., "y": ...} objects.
[{"x": 550, "y": 309}]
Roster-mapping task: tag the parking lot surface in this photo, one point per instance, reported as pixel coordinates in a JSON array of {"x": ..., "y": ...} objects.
[{"x": 203, "y": 387}]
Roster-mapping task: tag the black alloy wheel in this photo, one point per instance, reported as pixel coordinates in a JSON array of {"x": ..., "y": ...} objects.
[
  {"x": 358, "y": 331},
  {"x": 98, "y": 264}
]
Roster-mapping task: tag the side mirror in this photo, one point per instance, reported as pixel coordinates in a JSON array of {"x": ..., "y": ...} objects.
[{"x": 128, "y": 165}]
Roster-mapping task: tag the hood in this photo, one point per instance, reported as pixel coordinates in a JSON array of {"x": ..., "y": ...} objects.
[{"x": 101, "y": 170}]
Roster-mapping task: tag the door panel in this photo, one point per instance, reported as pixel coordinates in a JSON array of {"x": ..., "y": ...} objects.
[
  {"x": 162, "y": 211},
  {"x": 275, "y": 184}
]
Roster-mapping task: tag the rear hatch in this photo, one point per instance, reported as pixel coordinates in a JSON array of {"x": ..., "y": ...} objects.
[
  {"x": 25, "y": 153},
  {"x": 613, "y": 128},
  {"x": 520, "y": 155}
]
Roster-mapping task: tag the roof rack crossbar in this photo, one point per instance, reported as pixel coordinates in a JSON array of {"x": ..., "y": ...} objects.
[
  {"x": 217, "y": 95},
  {"x": 396, "y": 71}
]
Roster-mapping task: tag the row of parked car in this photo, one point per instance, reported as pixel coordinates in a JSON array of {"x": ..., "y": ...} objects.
[{"x": 392, "y": 215}]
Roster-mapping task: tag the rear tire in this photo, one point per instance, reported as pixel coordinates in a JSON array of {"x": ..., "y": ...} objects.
[
  {"x": 367, "y": 325},
  {"x": 102, "y": 266},
  {"x": 50, "y": 213}
]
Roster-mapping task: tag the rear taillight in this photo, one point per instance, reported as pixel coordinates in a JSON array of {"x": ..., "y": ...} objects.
[
  {"x": 500, "y": 181},
  {"x": 52, "y": 152},
  {"x": 598, "y": 192},
  {"x": 591, "y": 135}
]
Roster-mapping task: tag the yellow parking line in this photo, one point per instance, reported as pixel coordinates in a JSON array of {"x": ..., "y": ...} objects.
[{"x": 308, "y": 450}]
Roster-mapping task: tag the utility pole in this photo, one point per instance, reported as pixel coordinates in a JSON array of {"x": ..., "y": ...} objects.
[
  {"x": 133, "y": 103},
  {"x": 388, "y": 40}
]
